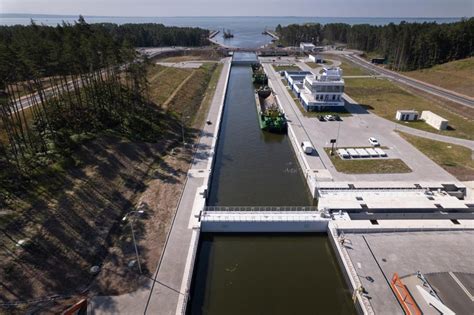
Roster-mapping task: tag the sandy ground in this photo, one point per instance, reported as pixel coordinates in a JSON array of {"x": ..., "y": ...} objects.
[{"x": 159, "y": 201}]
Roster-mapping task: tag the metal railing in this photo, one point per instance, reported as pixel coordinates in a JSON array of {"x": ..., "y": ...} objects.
[{"x": 261, "y": 208}]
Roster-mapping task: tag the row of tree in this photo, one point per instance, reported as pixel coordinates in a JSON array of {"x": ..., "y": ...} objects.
[
  {"x": 62, "y": 84},
  {"x": 155, "y": 35},
  {"x": 406, "y": 46}
]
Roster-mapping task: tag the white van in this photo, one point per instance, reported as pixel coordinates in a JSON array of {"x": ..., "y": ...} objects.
[{"x": 307, "y": 147}]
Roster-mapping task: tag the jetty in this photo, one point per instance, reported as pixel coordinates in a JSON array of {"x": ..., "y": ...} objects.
[{"x": 271, "y": 34}]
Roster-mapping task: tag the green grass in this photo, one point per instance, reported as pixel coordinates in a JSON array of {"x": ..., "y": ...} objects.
[
  {"x": 165, "y": 80},
  {"x": 455, "y": 75},
  {"x": 368, "y": 166},
  {"x": 317, "y": 65},
  {"x": 348, "y": 67},
  {"x": 384, "y": 98},
  {"x": 286, "y": 68},
  {"x": 189, "y": 98},
  {"x": 455, "y": 159},
  {"x": 206, "y": 102}
]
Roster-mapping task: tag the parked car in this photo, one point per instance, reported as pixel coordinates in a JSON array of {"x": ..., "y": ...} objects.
[
  {"x": 374, "y": 142},
  {"x": 307, "y": 147},
  {"x": 321, "y": 118},
  {"x": 329, "y": 117},
  {"x": 337, "y": 117}
]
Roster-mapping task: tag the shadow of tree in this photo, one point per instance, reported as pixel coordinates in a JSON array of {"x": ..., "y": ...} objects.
[{"x": 75, "y": 217}]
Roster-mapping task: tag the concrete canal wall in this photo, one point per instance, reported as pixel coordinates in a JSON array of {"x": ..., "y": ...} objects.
[
  {"x": 199, "y": 203},
  {"x": 348, "y": 270}
]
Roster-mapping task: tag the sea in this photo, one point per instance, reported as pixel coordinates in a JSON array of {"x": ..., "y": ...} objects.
[{"x": 247, "y": 30}]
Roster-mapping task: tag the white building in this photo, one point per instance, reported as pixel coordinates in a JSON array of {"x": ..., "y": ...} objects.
[
  {"x": 315, "y": 58},
  {"x": 407, "y": 115},
  {"x": 323, "y": 91},
  {"x": 434, "y": 120},
  {"x": 306, "y": 47}
]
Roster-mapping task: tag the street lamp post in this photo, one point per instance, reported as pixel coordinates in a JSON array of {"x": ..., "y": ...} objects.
[
  {"x": 133, "y": 236},
  {"x": 182, "y": 127}
]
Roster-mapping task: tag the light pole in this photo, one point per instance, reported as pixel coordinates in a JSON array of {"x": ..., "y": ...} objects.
[
  {"x": 182, "y": 127},
  {"x": 133, "y": 235},
  {"x": 338, "y": 128}
]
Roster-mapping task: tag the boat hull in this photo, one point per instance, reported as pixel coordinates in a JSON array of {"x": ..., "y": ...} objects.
[{"x": 271, "y": 121}]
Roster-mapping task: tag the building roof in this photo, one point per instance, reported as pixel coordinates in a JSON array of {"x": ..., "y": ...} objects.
[
  {"x": 407, "y": 111},
  {"x": 433, "y": 115}
]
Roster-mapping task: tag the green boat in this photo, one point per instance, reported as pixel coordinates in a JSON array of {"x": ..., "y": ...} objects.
[
  {"x": 270, "y": 116},
  {"x": 259, "y": 78}
]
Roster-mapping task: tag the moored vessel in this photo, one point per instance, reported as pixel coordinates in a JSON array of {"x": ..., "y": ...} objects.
[{"x": 271, "y": 118}]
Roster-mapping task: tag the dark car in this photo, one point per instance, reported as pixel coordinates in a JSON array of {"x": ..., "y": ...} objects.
[
  {"x": 337, "y": 117},
  {"x": 321, "y": 118}
]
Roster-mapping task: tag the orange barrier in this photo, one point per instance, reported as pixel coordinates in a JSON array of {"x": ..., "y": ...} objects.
[
  {"x": 404, "y": 297},
  {"x": 78, "y": 308}
]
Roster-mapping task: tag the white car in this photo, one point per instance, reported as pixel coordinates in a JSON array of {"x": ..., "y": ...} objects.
[
  {"x": 307, "y": 147},
  {"x": 329, "y": 117},
  {"x": 374, "y": 142}
]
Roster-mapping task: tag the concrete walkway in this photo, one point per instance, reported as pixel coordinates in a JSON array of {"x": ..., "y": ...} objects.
[{"x": 162, "y": 294}]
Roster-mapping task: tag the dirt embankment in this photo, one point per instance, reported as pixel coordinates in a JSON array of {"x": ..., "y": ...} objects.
[{"x": 72, "y": 220}]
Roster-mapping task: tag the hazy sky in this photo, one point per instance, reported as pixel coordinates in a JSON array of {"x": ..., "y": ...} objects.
[{"x": 331, "y": 8}]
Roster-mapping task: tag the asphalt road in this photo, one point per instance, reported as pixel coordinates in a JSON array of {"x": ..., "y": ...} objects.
[{"x": 446, "y": 94}]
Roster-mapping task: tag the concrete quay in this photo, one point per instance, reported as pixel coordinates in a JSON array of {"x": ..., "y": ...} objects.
[
  {"x": 370, "y": 254},
  {"x": 167, "y": 292}
]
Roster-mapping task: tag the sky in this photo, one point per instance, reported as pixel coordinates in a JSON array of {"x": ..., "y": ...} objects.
[{"x": 320, "y": 8}]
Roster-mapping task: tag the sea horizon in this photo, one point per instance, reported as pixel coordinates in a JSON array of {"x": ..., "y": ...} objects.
[{"x": 247, "y": 29}]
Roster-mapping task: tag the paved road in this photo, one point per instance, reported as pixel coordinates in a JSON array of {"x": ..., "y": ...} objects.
[
  {"x": 426, "y": 87},
  {"x": 429, "y": 135},
  {"x": 162, "y": 294}
]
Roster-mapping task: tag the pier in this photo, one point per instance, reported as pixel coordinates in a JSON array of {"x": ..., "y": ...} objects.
[{"x": 271, "y": 34}]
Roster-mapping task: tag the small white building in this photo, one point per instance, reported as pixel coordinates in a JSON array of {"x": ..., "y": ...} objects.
[
  {"x": 316, "y": 58},
  {"x": 323, "y": 91},
  {"x": 306, "y": 47},
  {"x": 407, "y": 115},
  {"x": 434, "y": 120}
]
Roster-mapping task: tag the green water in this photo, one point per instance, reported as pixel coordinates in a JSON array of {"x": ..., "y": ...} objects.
[{"x": 268, "y": 274}]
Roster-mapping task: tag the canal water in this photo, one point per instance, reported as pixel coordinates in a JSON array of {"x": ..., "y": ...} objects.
[
  {"x": 268, "y": 274},
  {"x": 261, "y": 273},
  {"x": 253, "y": 167}
]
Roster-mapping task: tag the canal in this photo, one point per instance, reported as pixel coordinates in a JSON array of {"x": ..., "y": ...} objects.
[
  {"x": 253, "y": 167},
  {"x": 261, "y": 273}
]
